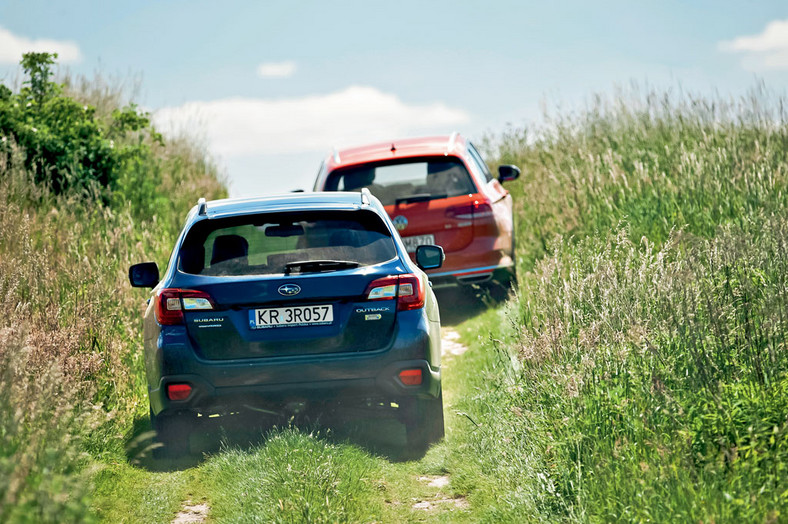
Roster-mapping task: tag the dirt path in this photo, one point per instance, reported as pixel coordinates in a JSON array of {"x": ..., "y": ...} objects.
[
  {"x": 450, "y": 345},
  {"x": 436, "y": 494},
  {"x": 191, "y": 513},
  {"x": 432, "y": 493}
]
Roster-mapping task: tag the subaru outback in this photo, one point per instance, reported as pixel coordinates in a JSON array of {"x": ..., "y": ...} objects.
[{"x": 309, "y": 297}]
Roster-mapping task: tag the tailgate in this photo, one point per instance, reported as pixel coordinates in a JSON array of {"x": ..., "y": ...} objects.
[{"x": 329, "y": 314}]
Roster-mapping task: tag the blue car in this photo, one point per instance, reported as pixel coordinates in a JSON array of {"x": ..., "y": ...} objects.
[{"x": 306, "y": 299}]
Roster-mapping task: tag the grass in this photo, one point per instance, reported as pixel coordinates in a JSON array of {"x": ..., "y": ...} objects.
[
  {"x": 638, "y": 374},
  {"x": 129, "y": 494},
  {"x": 294, "y": 477},
  {"x": 641, "y": 372},
  {"x": 72, "y": 379},
  {"x": 612, "y": 394}
]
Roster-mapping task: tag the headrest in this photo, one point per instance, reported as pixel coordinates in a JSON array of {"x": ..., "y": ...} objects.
[{"x": 228, "y": 247}]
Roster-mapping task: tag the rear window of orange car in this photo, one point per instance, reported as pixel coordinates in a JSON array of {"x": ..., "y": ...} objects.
[
  {"x": 434, "y": 177},
  {"x": 266, "y": 243}
]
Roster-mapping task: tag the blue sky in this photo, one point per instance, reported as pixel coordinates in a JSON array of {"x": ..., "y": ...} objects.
[{"x": 273, "y": 86}]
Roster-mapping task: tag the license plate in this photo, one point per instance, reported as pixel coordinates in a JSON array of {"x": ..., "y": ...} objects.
[
  {"x": 291, "y": 316},
  {"x": 411, "y": 243}
]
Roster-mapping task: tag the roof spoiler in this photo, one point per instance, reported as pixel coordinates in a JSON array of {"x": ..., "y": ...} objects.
[{"x": 452, "y": 141}]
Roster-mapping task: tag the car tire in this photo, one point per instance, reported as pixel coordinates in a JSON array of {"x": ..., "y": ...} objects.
[
  {"x": 424, "y": 426},
  {"x": 173, "y": 431}
]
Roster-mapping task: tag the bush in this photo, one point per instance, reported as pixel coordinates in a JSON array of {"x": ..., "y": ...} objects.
[
  {"x": 64, "y": 143},
  {"x": 71, "y": 372}
]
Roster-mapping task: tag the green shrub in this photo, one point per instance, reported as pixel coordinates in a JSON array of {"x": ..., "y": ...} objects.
[
  {"x": 70, "y": 148},
  {"x": 72, "y": 380}
]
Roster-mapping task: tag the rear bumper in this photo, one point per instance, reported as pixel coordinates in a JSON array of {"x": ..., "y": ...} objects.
[
  {"x": 475, "y": 275},
  {"x": 209, "y": 399},
  {"x": 229, "y": 385}
]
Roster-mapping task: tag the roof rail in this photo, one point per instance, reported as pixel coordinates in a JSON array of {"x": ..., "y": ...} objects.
[
  {"x": 452, "y": 140},
  {"x": 336, "y": 156},
  {"x": 202, "y": 207},
  {"x": 365, "y": 196}
]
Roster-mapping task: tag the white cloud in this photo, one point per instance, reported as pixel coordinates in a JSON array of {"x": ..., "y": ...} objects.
[
  {"x": 767, "y": 50},
  {"x": 276, "y": 69},
  {"x": 275, "y": 145},
  {"x": 356, "y": 115},
  {"x": 13, "y": 46}
]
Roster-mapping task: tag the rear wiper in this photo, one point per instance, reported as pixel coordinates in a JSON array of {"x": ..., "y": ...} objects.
[
  {"x": 419, "y": 197},
  {"x": 316, "y": 266}
]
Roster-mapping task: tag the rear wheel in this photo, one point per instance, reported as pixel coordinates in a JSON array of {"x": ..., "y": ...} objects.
[{"x": 424, "y": 424}]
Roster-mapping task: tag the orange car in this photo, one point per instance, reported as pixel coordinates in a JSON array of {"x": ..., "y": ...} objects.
[{"x": 437, "y": 190}]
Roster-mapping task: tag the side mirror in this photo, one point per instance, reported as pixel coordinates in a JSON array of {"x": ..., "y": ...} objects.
[
  {"x": 429, "y": 257},
  {"x": 508, "y": 172},
  {"x": 144, "y": 275}
]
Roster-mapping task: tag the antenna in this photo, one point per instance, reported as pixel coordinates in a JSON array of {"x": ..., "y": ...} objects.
[
  {"x": 202, "y": 207},
  {"x": 336, "y": 156},
  {"x": 365, "y": 196}
]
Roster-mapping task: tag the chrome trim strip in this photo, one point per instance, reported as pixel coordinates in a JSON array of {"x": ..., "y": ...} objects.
[{"x": 462, "y": 272}]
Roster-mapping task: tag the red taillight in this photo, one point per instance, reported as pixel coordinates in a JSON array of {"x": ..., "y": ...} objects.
[
  {"x": 410, "y": 377},
  {"x": 178, "y": 391},
  {"x": 171, "y": 302},
  {"x": 475, "y": 211},
  {"x": 482, "y": 210},
  {"x": 411, "y": 293},
  {"x": 407, "y": 289}
]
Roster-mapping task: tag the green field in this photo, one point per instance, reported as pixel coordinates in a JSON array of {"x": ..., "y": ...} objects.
[{"x": 637, "y": 374}]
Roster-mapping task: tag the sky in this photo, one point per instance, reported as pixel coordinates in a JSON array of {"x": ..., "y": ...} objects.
[{"x": 272, "y": 87}]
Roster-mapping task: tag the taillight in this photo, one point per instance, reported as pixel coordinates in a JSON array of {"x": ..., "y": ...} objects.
[
  {"x": 171, "y": 303},
  {"x": 407, "y": 289},
  {"x": 410, "y": 377},
  {"x": 178, "y": 391},
  {"x": 478, "y": 209},
  {"x": 482, "y": 210},
  {"x": 411, "y": 293}
]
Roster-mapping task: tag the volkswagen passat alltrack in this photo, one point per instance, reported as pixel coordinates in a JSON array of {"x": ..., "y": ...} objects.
[
  {"x": 437, "y": 190},
  {"x": 301, "y": 297}
]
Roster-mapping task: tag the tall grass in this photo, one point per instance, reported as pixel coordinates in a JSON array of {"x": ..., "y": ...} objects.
[
  {"x": 663, "y": 160},
  {"x": 70, "y": 341},
  {"x": 642, "y": 373}
]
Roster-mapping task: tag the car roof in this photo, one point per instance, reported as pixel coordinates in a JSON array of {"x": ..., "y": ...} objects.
[
  {"x": 333, "y": 200},
  {"x": 393, "y": 149}
]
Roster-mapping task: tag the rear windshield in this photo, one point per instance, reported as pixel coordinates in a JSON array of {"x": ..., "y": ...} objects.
[
  {"x": 267, "y": 243},
  {"x": 437, "y": 177}
]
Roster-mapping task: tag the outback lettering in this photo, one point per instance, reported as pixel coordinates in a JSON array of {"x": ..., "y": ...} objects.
[{"x": 372, "y": 309}]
